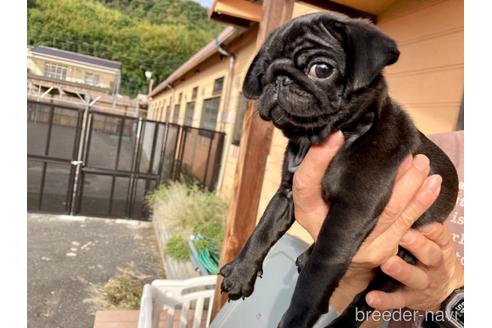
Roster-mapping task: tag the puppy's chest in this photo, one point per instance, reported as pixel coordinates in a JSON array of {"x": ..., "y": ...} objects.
[{"x": 356, "y": 173}]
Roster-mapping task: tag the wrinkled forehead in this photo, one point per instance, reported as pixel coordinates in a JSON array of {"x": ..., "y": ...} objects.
[{"x": 306, "y": 34}]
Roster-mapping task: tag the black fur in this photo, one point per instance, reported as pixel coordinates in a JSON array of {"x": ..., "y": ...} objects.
[{"x": 359, "y": 180}]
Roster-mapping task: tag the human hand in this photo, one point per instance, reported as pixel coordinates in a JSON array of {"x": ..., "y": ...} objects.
[
  {"x": 413, "y": 193},
  {"x": 310, "y": 209},
  {"x": 427, "y": 284}
]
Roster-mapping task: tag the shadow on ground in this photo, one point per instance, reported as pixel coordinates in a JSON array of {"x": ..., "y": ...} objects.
[{"x": 67, "y": 255}]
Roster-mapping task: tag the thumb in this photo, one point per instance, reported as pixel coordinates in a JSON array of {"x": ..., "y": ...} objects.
[{"x": 317, "y": 159}]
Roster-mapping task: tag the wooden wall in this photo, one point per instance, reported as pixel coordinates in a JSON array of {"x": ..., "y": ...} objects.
[{"x": 428, "y": 77}]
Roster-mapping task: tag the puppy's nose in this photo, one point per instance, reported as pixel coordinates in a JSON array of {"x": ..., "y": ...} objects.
[{"x": 284, "y": 80}]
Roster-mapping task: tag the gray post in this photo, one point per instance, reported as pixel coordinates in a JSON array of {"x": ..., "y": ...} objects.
[{"x": 79, "y": 162}]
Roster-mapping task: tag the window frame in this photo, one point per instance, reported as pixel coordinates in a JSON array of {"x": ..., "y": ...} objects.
[
  {"x": 168, "y": 114},
  {"x": 55, "y": 71},
  {"x": 218, "y": 82},
  {"x": 186, "y": 116},
  {"x": 242, "y": 108},
  {"x": 194, "y": 93},
  {"x": 203, "y": 112},
  {"x": 94, "y": 76},
  {"x": 177, "y": 109}
]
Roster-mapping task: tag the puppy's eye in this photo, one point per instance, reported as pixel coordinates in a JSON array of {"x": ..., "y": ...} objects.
[{"x": 320, "y": 70}]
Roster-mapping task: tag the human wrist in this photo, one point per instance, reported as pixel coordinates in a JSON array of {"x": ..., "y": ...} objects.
[
  {"x": 349, "y": 286},
  {"x": 457, "y": 282}
]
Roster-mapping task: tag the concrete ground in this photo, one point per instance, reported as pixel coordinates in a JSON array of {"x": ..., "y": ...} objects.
[{"x": 65, "y": 255}]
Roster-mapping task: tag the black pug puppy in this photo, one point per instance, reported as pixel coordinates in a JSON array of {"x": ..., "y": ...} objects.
[{"x": 314, "y": 75}]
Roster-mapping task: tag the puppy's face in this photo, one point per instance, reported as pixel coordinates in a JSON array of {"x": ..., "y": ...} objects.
[{"x": 311, "y": 74}]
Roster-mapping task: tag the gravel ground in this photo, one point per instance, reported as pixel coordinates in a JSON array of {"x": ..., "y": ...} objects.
[{"x": 65, "y": 255}]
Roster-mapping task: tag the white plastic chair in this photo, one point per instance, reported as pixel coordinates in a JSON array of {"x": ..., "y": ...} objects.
[{"x": 171, "y": 295}]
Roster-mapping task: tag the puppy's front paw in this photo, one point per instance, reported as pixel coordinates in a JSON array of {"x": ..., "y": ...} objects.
[{"x": 239, "y": 279}]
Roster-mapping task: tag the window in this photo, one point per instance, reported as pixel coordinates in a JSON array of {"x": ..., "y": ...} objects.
[
  {"x": 55, "y": 71},
  {"x": 180, "y": 96},
  {"x": 161, "y": 109},
  {"x": 190, "y": 110},
  {"x": 194, "y": 93},
  {"x": 176, "y": 113},
  {"x": 209, "y": 113},
  {"x": 91, "y": 79},
  {"x": 218, "y": 85},
  {"x": 168, "y": 113},
  {"x": 238, "y": 125}
]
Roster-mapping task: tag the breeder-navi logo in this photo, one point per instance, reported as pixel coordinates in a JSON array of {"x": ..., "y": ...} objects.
[{"x": 400, "y": 315}]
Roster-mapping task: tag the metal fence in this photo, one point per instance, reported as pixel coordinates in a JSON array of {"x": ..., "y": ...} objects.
[{"x": 82, "y": 161}]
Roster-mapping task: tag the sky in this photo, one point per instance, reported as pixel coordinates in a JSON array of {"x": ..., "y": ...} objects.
[{"x": 204, "y": 3}]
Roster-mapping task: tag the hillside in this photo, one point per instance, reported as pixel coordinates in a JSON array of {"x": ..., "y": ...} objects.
[{"x": 155, "y": 35}]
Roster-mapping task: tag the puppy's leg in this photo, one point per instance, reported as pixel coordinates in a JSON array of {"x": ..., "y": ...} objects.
[
  {"x": 302, "y": 259},
  {"x": 240, "y": 274},
  {"x": 352, "y": 315},
  {"x": 341, "y": 234}
]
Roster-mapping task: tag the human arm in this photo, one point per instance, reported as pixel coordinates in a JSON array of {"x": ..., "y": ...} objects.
[{"x": 413, "y": 193}]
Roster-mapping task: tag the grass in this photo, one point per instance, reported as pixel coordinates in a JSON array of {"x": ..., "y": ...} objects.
[
  {"x": 121, "y": 292},
  {"x": 183, "y": 210}
]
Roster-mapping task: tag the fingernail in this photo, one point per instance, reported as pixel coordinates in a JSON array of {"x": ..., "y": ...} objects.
[
  {"x": 432, "y": 183},
  {"x": 408, "y": 237},
  {"x": 390, "y": 267},
  {"x": 335, "y": 140},
  {"x": 372, "y": 300},
  {"x": 421, "y": 162}
]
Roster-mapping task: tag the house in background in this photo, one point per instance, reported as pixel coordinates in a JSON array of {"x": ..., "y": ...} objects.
[
  {"x": 66, "y": 77},
  {"x": 427, "y": 79},
  {"x": 72, "y": 72}
]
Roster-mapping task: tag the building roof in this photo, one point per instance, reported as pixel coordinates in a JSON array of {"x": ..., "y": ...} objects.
[
  {"x": 73, "y": 56},
  {"x": 228, "y": 34}
]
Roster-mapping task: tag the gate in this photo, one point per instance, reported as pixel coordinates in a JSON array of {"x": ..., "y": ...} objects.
[{"x": 88, "y": 162}]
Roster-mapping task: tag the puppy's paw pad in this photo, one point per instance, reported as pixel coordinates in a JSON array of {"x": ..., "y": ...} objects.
[{"x": 239, "y": 279}]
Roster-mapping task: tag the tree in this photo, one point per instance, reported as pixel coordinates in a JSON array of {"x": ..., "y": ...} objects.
[{"x": 155, "y": 35}]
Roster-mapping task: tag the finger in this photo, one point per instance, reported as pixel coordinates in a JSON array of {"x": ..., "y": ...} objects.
[
  {"x": 383, "y": 301},
  {"x": 409, "y": 275},
  {"x": 403, "y": 192},
  {"x": 424, "y": 249},
  {"x": 310, "y": 173},
  {"x": 405, "y": 165},
  {"x": 423, "y": 199},
  {"x": 438, "y": 233}
]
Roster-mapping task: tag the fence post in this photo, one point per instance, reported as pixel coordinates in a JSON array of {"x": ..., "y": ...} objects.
[
  {"x": 133, "y": 168},
  {"x": 162, "y": 152},
  {"x": 79, "y": 162}
]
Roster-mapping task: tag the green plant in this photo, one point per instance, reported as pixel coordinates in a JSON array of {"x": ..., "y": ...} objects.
[
  {"x": 177, "y": 248},
  {"x": 185, "y": 209},
  {"x": 155, "y": 35}
]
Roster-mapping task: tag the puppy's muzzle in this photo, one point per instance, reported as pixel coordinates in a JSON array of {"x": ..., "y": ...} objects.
[{"x": 284, "y": 73}]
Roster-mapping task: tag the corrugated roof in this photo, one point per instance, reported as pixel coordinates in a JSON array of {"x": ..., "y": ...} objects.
[
  {"x": 42, "y": 50},
  {"x": 228, "y": 33}
]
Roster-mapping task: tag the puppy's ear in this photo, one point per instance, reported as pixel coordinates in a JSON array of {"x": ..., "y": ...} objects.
[
  {"x": 369, "y": 51},
  {"x": 253, "y": 85}
]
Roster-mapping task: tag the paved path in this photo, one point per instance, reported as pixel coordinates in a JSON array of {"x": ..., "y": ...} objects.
[{"x": 65, "y": 254}]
